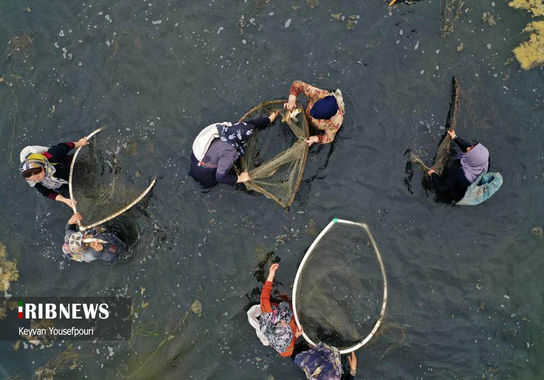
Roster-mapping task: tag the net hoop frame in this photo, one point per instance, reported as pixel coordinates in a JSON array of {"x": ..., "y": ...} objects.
[
  {"x": 381, "y": 316},
  {"x": 269, "y": 195},
  {"x": 114, "y": 215}
]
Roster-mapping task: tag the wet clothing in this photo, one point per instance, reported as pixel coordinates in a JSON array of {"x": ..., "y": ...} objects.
[
  {"x": 110, "y": 251},
  {"x": 321, "y": 362},
  {"x": 236, "y": 135},
  {"x": 314, "y": 94},
  {"x": 58, "y": 159},
  {"x": 216, "y": 166},
  {"x": 452, "y": 185},
  {"x": 475, "y": 162},
  {"x": 275, "y": 326},
  {"x": 268, "y": 307},
  {"x": 321, "y": 356}
]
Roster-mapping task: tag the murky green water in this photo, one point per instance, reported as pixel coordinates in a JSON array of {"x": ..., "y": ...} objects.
[{"x": 465, "y": 283}]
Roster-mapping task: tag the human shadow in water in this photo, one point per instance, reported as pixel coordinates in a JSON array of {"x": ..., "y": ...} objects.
[{"x": 260, "y": 275}]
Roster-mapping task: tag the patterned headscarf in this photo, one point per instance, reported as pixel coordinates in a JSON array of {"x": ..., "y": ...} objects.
[
  {"x": 36, "y": 160},
  {"x": 275, "y": 326},
  {"x": 77, "y": 243},
  {"x": 321, "y": 362},
  {"x": 235, "y": 134}
]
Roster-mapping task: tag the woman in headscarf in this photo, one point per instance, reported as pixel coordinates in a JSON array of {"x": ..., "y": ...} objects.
[
  {"x": 325, "y": 110},
  {"x": 276, "y": 322},
  {"x": 323, "y": 362},
  {"x": 48, "y": 169},
  {"x": 461, "y": 172},
  {"x": 218, "y": 146},
  {"x": 93, "y": 244}
]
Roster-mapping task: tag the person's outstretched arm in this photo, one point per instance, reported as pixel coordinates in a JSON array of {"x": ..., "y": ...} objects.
[
  {"x": 71, "y": 225},
  {"x": 266, "y": 307},
  {"x": 48, "y": 193},
  {"x": 464, "y": 145},
  {"x": 298, "y": 87},
  {"x": 52, "y": 194},
  {"x": 224, "y": 168},
  {"x": 57, "y": 152}
]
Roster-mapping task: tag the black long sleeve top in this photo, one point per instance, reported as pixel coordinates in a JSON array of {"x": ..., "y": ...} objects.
[
  {"x": 452, "y": 185},
  {"x": 58, "y": 155}
]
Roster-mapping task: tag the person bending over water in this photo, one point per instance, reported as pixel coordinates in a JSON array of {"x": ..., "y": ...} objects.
[
  {"x": 460, "y": 172},
  {"x": 48, "y": 169},
  {"x": 218, "y": 146},
  {"x": 93, "y": 244},
  {"x": 324, "y": 362},
  {"x": 277, "y": 323},
  {"x": 325, "y": 110}
]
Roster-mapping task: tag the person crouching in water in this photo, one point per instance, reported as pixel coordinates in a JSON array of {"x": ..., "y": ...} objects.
[
  {"x": 460, "y": 172},
  {"x": 276, "y": 322},
  {"x": 218, "y": 146},
  {"x": 324, "y": 362},
  {"x": 48, "y": 169},
  {"x": 93, "y": 244},
  {"x": 325, "y": 110}
]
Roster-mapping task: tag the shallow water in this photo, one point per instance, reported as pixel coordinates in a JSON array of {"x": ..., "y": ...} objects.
[{"x": 465, "y": 283}]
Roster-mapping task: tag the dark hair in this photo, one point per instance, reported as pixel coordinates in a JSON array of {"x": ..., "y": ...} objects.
[{"x": 32, "y": 171}]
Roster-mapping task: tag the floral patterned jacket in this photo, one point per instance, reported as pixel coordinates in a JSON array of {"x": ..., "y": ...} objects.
[{"x": 330, "y": 126}]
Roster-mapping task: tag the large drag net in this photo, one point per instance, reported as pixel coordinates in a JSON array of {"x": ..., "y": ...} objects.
[
  {"x": 276, "y": 156},
  {"x": 443, "y": 151},
  {"x": 105, "y": 179},
  {"x": 340, "y": 290}
]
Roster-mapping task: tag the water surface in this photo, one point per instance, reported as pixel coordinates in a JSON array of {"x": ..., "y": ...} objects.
[{"x": 465, "y": 283}]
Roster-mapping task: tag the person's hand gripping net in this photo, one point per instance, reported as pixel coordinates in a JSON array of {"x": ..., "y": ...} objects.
[{"x": 244, "y": 176}]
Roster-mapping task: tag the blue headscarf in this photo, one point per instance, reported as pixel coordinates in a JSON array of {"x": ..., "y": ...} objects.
[
  {"x": 324, "y": 108},
  {"x": 235, "y": 134}
]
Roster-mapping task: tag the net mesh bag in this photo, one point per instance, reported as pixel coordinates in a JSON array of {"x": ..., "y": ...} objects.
[
  {"x": 443, "y": 151},
  {"x": 340, "y": 289},
  {"x": 106, "y": 177},
  {"x": 276, "y": 156}
]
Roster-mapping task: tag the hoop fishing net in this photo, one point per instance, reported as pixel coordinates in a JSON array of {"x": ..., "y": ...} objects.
[
  {"x": 276, "y": 156},
  {"x": 443, "y": 151},
  {"x": 340, "y": 288},
  {"x": 106, "y": 176}
]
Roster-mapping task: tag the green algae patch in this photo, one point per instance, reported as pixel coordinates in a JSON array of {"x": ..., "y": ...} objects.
[
  {"x": 451, "y": 12},
  {"x": 8, "y": 270},
  {"x": 536, "y": 7},
  {"x": 20, "y": 45},
  {"x": 196, "y": 308},
  {"x": 530, "y": 53},
  {"x": 57, "y": 366}
]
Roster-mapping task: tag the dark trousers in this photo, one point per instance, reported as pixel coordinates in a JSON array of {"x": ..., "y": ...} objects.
[{"x": 202, "y": 174}]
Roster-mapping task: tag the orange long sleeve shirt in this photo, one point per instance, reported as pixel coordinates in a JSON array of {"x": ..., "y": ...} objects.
[{"x": 266, "y": 307}]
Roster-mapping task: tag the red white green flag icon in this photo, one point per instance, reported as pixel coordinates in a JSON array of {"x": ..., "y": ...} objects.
[{"x": 20, "y": 309}]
